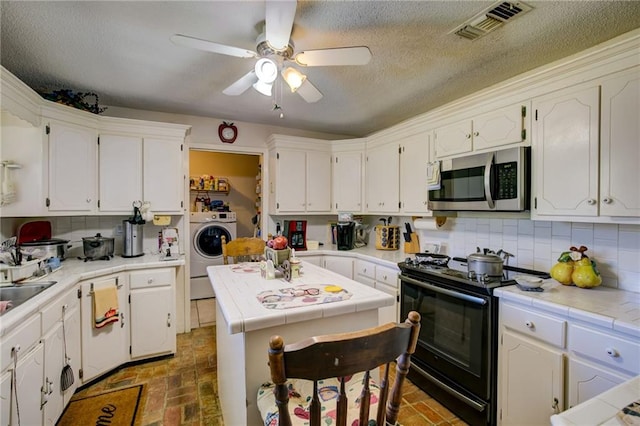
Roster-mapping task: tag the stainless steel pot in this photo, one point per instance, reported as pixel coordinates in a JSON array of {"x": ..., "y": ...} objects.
[
  {"x": 481, "y": 266},
  {"x": 45, "y": 249},
  {"x": 97, "y": 247}
]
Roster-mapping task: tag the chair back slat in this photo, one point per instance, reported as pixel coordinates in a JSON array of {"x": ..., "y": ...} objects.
[
  {"x": 242, "y": 249},
  {"x": 343, "y": 355}
]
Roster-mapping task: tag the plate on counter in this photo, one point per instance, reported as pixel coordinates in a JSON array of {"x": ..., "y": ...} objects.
[{"x": 528, "y": 281}]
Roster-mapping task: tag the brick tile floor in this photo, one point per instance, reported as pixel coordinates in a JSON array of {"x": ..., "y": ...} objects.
[{"x": 182, "y": 390}]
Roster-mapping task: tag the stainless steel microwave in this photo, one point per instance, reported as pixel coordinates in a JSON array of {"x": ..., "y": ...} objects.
[{"x": 495, "y": 181}]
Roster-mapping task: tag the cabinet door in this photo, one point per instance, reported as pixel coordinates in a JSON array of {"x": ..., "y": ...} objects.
[
  {"x": 22, "y": 143},
  {"x": 340, "y": 265},
  {"x": 531, "y": 381},
  {"x": 290, "y": 180},
  {"x": 500, "y": 127},
  {"x": 587, "y": 380},
  {"x": 619, "y": 147},
  {"x": 29, "y": 388},
  {"x": 5, "y": 398},
  {"x": 163, "y": 177},
  {"x": 388, "y": 314},
  {"x": 318, "y": 178},
  {"x": 566, "y": 130},
  {"x": 347, "y": 182},
  {"x": 153, "y": 321},
  {"x": 383, "y": 179},
  {"x": 316, "y": 260},
  {"x": 414, "y": 157},
  {"x": 72, "y": 168},
  {"x": 107, "y": 347},
  {"x": 120, "y": 165},
  {"x": 453, "y": 139}
]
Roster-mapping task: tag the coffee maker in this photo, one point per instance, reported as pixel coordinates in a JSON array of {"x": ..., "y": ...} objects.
[
  {"x": 296, "y": 233},
  {"x": 346, "y": 235}
]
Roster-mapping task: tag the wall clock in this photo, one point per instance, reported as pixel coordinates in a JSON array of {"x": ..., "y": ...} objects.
[{"x": 227, "y": 132}]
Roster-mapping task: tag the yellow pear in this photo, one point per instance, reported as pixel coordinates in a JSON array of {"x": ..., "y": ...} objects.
[
  {"x": 562, "y": 270},
  {"x": 585, "y": 274}
]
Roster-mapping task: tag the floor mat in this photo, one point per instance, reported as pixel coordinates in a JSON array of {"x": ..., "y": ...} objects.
[{"x": 113, "y": 408}]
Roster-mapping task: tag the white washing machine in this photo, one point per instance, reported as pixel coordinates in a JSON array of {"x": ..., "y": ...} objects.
[{"x": 207, "y": 229}]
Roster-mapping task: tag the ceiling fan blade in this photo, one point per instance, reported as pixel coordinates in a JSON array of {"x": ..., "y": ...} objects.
[
  {"x": 358, "y": 55},
  {"x": 279, "y": 22},
  {"x": 308, "y": 92},
  {"x": 210, "y": 46},
  {"x": 242, "y": 84}
]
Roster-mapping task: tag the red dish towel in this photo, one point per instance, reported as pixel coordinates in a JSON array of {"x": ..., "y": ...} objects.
[{"x": 105, "y": 305}]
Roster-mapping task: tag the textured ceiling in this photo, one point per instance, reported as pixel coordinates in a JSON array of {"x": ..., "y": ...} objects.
[{"x": 121, "y": 51}]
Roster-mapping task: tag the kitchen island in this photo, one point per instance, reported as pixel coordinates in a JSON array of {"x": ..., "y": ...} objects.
[{"x": 244, "y": 325}]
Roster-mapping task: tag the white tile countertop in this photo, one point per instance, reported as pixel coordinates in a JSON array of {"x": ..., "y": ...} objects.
[
  {"x": 604, "y": 409},
  {"x": 73, "y": 271},
  {"x": 603, "y": 306},
  {"x": 385, "y": 257},
  {"x": 236, "y": 295}
]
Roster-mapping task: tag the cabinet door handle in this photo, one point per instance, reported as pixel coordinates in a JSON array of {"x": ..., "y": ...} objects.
[
  {"x": 529, "y": 324},
  {"x": 613, "y": 353},
  {"x": 468, "y": 135},
  {"x": 476, "y": 133},
  {"x": 607, "y": 200},
  {"x": 88, "y": 200},
  {"x": 591, "y": 201},
  {"x": 150, "y": 281}
]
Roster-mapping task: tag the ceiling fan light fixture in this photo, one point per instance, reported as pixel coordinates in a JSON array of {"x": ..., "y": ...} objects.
[
  {"x": 293, "y": 77},
  {"x": 263, "y": 87},
  {"x": 266, "y": 70}
]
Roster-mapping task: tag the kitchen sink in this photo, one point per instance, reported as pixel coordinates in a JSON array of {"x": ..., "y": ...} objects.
[{"x": 20, "y": 293}]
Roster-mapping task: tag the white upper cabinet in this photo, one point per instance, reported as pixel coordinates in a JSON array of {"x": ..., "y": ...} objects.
[
  {"x": 163, "y": 177},
  {"x": 620, "y": 145},
  {"x": 586, "y": 151},
  {"x": 72, "y": 168},
  {"x": 383, "y": 178},
  {"x": 300, "y": 175},
  {"x": 120, "y": 172},
  {"x": 347, "y": 181},
  {"x": 494, "y": 129},
  {"x": 414, "y": 157}
]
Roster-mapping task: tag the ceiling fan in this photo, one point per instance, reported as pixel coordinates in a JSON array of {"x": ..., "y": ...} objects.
[{"x": 274, "y": 49}]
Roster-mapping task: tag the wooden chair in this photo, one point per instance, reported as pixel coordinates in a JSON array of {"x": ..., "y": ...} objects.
[
  {"x": 242, "y": 249},
  {"x": 339, "y": 356}
]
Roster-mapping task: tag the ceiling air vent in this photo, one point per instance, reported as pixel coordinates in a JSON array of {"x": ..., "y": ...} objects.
[{"x": 490, "y": 19}]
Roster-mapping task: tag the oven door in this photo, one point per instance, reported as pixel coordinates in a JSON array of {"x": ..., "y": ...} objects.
[{"x": 454, "y": 341}]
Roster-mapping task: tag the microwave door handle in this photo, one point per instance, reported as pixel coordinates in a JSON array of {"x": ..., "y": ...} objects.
[{"x": 487, "y": 182}]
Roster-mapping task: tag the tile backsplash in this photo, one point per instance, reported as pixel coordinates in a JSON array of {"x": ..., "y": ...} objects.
[
  {"x": 74, "y": 228},
  {"x": 537, "y": 244}
]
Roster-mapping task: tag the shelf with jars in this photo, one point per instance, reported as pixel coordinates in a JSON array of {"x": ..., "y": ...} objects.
[{"x": 209, "y": 183}]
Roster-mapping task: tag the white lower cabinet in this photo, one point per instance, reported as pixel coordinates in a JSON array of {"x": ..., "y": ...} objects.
[
  {"x": 549, "y": 362},
  {"x": 339, "y": 264},
  {"x": 5, "y": 398},
  {"x": 55, "y": 335},
  {"x": 531, "y": 385},
  {"x": 384, "y": 279},
  {"x": 108, "y": 347},
  {"x": 153, "y": 318},
  {"x": 315, "y": 259}
]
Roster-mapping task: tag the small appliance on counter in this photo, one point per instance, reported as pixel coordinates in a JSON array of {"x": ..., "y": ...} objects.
[
  {"x": 133, "y": 238},
  {"x": 97, "y": 247},
  {"x": 345, "y": 232},
  {"x": 34, "y": 241},
  {"x": 296, "y": 233},
  {"x": 169, "y": 244}
]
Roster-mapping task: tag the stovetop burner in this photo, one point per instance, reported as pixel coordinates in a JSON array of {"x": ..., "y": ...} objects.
[
  {"x": 91, "y": 259},
  {"x": 452, "y": 277}
]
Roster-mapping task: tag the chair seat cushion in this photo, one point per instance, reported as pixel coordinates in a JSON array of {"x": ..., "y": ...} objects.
[{"x": 300, "y": 392}]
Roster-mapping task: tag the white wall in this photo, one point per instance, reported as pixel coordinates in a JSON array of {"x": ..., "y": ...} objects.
[{"x": 537, "y": 244}]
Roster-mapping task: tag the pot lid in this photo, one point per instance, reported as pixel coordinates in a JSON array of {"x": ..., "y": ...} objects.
[
  {"x": 97, "y": 238},
  {"x": 48, "y": 242},
  {"x": 489, "y": 258}
]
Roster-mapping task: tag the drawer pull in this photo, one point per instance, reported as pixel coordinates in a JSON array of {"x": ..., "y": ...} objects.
[
  {"x": 530, "y": 324},
  {"x": 613, "y": 353},
  {"x": 150, "y": 281}
]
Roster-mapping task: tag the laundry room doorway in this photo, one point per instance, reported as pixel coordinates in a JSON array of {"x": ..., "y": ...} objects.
[{"x": 234, "y": 181}]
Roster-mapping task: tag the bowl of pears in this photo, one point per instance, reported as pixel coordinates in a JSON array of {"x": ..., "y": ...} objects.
[{"x": 574, "y": 267}]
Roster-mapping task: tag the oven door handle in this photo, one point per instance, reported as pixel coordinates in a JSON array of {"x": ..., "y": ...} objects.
[
  {"x": 457, "y": 295},
  {"x": 487, "y": 182}
]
